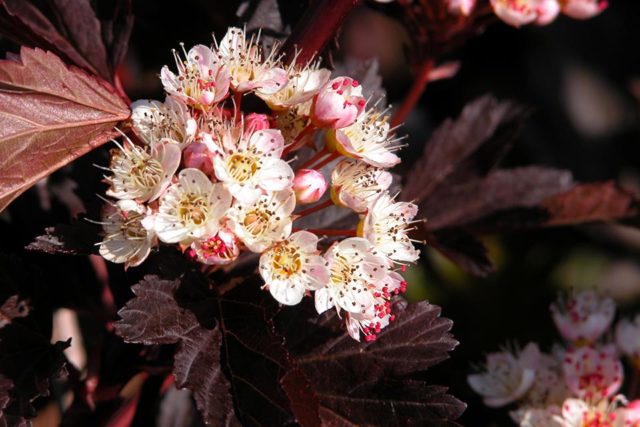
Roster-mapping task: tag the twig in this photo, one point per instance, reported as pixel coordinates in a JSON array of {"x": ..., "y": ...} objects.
[
  {"x": 317, "y": 26},
  {"x": 417, "y": 88}
]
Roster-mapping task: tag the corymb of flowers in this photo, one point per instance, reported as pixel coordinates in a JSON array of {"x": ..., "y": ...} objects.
[{"x": 218, "y": 181}]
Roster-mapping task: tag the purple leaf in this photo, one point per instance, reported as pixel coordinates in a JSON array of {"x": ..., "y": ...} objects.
[
  {"x": 11, "y": 309},
  {"x": 154, "y": 317},
  {"x": 35, "y": 138},
  {"x": 78, "y": 238},
  {"x": 358, "y": 383},
  {"x": 71, "y": 29},
  {"x": 454, "y": 142},
  {"x": 470, "y": 201}
]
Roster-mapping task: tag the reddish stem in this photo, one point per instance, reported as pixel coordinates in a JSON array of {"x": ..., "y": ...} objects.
[
  {"x": 300, "y": 138},
  {"x": 417, "y": 88},
  {"x": 329, "y": 159},
  {"x": 318, "y": 25},
  {"x": 315, "y": 208},
  {"x": 331, "y": 232},
  {"x": 319, "y": 155},
  {"x": 238, "y": 101}
]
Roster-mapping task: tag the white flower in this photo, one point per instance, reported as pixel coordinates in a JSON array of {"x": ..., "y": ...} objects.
[
  {"x": 548, "y": 387},
  {"x": 354, "y": 272},
  {"x": 368, "y": 139},
  {"x": 250, "y": 164},
  {"x": 356, "y": 184},
  {"x": 507, "y": 376},
  {"x": 293, "y": 122},
  {"x": 628, "y": 337},
  {"x": 537, "y": 417},
  {"x": 265, "y": 222},
  {"x": 292, "y": 267},
  {"x": 223, "y": 248},
  {"x": 191, "y": 208},
  {"x": 248, "y": 69},
  {"x": 584, "y": 317},
  {"x": 386, "y": 226},
  {"x": 154, "y": 120},
  {"x": 301, "y": 87},
  {"x": 126, "y": 240},
  {"x": 591, "y": 373},
  {"x": 142, "y": 174},
  {"x": 370, "y": 321},
  {"x": 201, "y": 80},
  {"x": 603, "y": 413}
]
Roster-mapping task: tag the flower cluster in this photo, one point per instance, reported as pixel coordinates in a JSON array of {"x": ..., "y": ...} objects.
[
  {"x": 217, "y": 180},
  {"x": 539, "y": 12},
  {"x": 577, "y": 384}
]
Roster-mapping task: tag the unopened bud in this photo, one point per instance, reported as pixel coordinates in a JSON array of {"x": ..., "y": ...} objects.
[
  {"x": 255, "y": 122},
  {"x": 309, "y": 186},
  {"x": 198, "y": 156}
]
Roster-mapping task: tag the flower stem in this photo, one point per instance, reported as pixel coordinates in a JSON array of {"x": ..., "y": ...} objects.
[
  {"x": 298, "y": 143},
  {"x": 318, "y": 25},
  {"x": 315, "y": 208},
  {"x": 327, "y": 160},
  {"x": 417, "y": 88},
  {"x": 316, "y": 157},
  {"x": 331, "y": 232}
]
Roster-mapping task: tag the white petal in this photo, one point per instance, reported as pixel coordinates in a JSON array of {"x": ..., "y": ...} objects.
[{"x": 275, "y": 175}]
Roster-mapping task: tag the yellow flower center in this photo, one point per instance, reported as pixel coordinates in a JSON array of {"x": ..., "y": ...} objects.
[
  {"x": 193, "y": 209},
  {"x": 241, "y": 167}
]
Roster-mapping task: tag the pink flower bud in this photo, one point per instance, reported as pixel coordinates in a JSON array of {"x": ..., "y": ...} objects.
[
  {"x": 309, "y": 186},
  {"x": 461, "y": 7},
  {"x": 548, "y": 11},
  {"x": 338, "y": 104},
  {"x": 583, "y": 9},
  {"x": 516, "y": 12},
  {"x": 198, "y": 156},
  {"x": 255, "y": 122}
]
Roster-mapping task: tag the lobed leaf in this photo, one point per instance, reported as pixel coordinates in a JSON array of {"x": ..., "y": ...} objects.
[
  {"x": 472, "y": 200},
  {"x": 154, "y": 317},
  {"x": 455, "y": 141},
  {"x": 362, "y": 383},
  {"x": 50, "y": 114},
  {"x": 71, "y": 29}
]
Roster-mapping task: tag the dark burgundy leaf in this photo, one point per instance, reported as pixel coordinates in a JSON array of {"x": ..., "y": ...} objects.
[
  {"x": 154, "y": 317},
  {"x": 454, "y": 142},
  {"x": 197, "y": 367},
  {"x": 71, "y": 29},
  {"x": 256, "y": 357},
  {"x": 35, "y": 139},
  {"x": 5, "y": 385},
  {"x": 78, "y": 238},
  {"x": 461, "y": 247},
  {"x": 11, "y": 309},
  {"x": 467, "y": 202},
  {"x": 603, "y": 201},
  {"x": 405, "y": 403},
  {"x": 30, "y": 361},
  {"x": 362, "y": 383}
]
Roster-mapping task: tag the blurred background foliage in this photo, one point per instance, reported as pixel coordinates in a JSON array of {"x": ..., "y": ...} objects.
[{"x": 581, "y": 81}]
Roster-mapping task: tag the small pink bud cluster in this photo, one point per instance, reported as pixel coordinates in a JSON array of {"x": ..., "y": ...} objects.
[
  {"x": 577, "y": 384},
  {"x": 539, "y": 12},
  {"x": 215, "y": 179}
]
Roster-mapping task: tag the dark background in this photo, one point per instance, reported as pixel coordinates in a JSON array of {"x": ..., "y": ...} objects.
[{"x": 581, "y": 80}]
